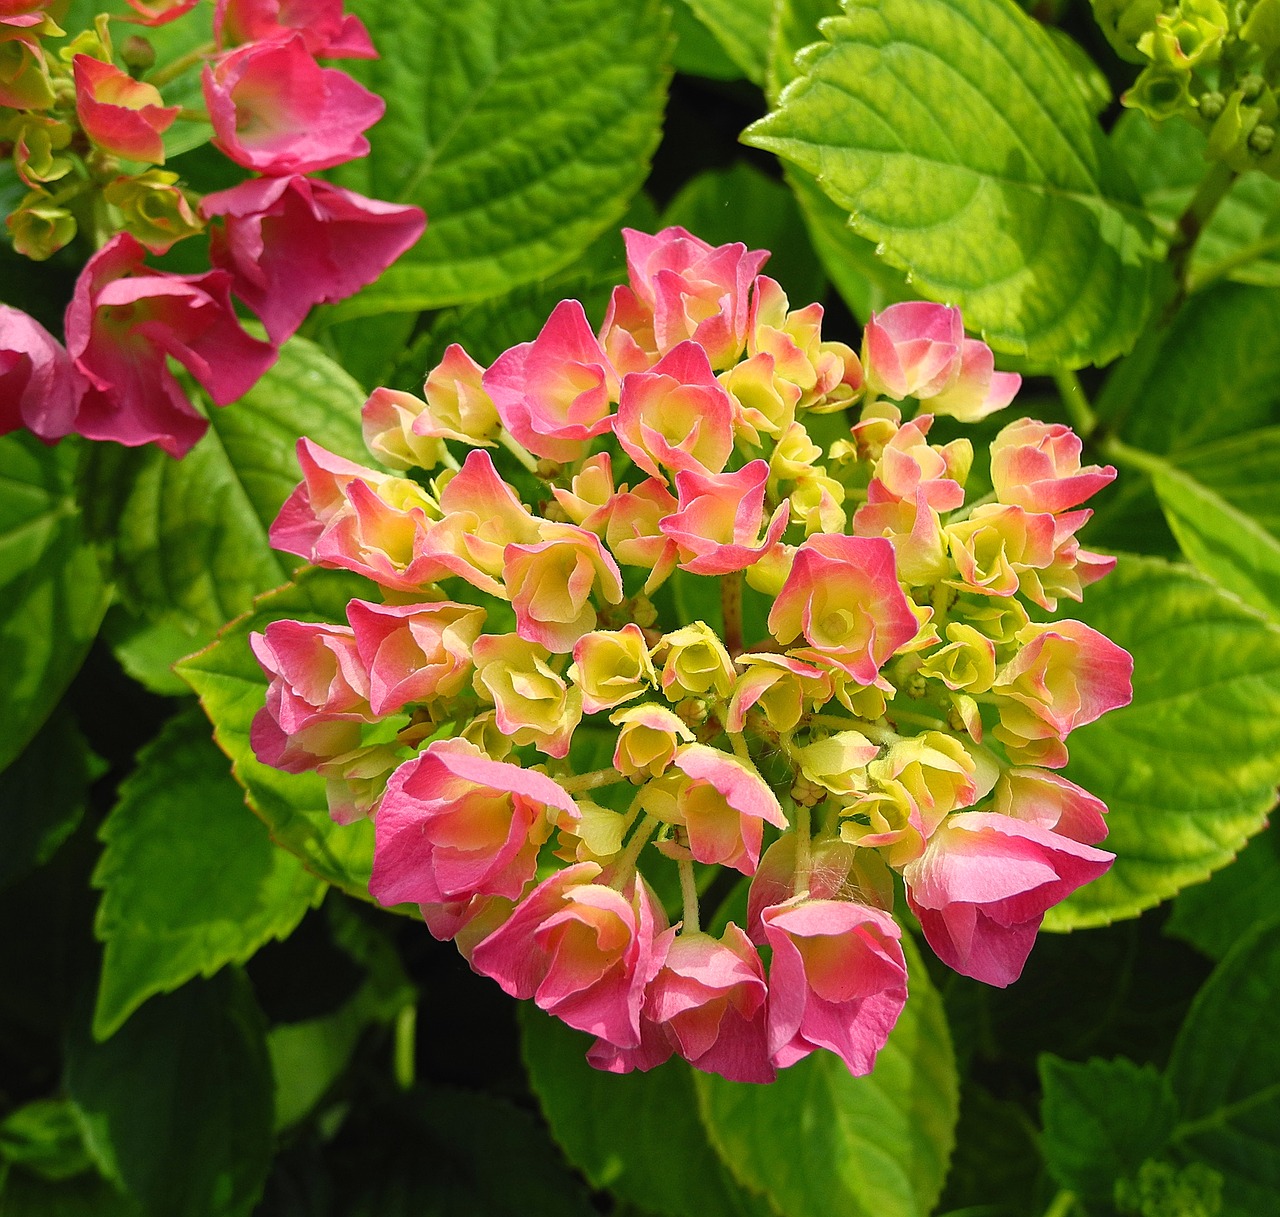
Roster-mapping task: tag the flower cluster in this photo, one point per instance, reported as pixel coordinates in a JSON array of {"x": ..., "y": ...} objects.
[
  {"x": 540, "y": 738},
  {"x": 86, "y": 138},
  {"x": 1213, "y": 62}
]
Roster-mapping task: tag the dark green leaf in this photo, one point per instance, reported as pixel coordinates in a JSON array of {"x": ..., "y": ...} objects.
[
  {"x": 177, "y": 1105},
  {"x": 1182, "y": 801},
  {"x": 697, "y": 52},
  {"x": 44, "y": 1138},
  {"x": 1101, "y": 1121},
  {"x": 233, "y": 689},
  {"x": 87, "y": 1195},
  {"x": 52, "y": 596},
  {"x": 43, "y": 795},
  {"x": 1214, "y": 916},
  {"x": 522, "y": 127},
  {"x": 818, "y": 1141},
  {"x": 635, "y": 1134},
  {"x": 742, "y": 28},
  {"x": 955, "y": 134},
  {"x": 1225, "y": 1073},
  {"x": 190, "y": 879}
]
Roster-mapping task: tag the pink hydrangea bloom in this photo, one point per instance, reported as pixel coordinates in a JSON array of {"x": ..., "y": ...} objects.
[
  {"x": 912, "y": 349},
  {"x": 38, "y": 388},
  {"x": 123, "y": 322},
  {"x": 1037, "y": 466},
  {"x": 326, "y": 31},
  {"x": 293, "y": 242},
  {"x": 277, "y": 111},
  {"x": 983, "y": 885},
  {"x": 454, "y": 824},
  {"x": 158, "y": 12},
  {"x": 582, "y": 951},
  {"x": 838, "y": 980}
]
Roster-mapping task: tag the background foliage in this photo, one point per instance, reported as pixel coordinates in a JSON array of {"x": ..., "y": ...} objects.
[{"x": 199, "y": 1012}]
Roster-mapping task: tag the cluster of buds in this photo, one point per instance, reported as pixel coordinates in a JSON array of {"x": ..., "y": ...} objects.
[
  {"x": 873, "y": 698},
  {"x": 85, "y": 134},
  {"x": 1213, "y": 62}
]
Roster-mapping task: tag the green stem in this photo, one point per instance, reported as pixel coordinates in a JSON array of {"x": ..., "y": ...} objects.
[
  {"x": 873, "y": 731},
  {"x": 1193, "y": 221},
  {"x": 405, "y": 1036},
  {"x": 689, "y": 897},
  {"x": 731, "y": 607},
  {"x": 917, "y": 720},
  {"x": 591, "y": 781},
  {"x": 519, "y": 451},
  {"x": 1076, "y": 404},
  {"x": 171, "y": 71},
  {"x": 193, "y": 116},
  {"x": 1221, "y": 269},
  {"x": 639, "y": 839},
  {"x": 804, "y": 850},
  {"x": 1061, "y": 1205},
  {"x": 1117, "y": 450}
]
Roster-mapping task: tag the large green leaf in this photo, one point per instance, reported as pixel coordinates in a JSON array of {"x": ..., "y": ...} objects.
[
  {"x": 52, "y": 596},
  {"x": 1189, "y": 770},
  {"x": 1214, "y": 916},
  {"x": 1225, "y": 1072},
  {"x": 1213, "y": 372},
  {"x": 177, "y": 1106},
  {"x": 1242, "y": 238},
  {"x": 955, "y": 133},
  {"x": 818, "y": 1141},
  {"x": 742, "y": 28},
  {"x": 1231, "y": 547},
  {"x": 233, "y": 689},
  {"x": 1102, "y": 1120},
  {"x": 636, "y": 1134},
  {"x": 191, "y": 536},
  {"x": 522, "y": 127},
  {"x": 190, "y": 879}
]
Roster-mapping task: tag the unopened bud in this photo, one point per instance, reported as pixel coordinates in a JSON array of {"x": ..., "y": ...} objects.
[
  {"x": 138, "y": 54},
  {"x": 916, "y": 687},
  {"x": 1251, "y": 87},
  {"x": 1211, "y": 105},
  {"x": 1262, "y": 138}
]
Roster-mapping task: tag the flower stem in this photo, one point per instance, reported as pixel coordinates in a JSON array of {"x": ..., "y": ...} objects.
[
  {"x": 804, "y": 851},
  {"x": 1061, "y": 1205},
  {"x": 518, "y": 450},
  {"x": 639, "y": 839},
  {"x": 731, "y": 607},
  {"x": 171, "y": 71},
  {"x": 689, "y": 897},
  {"x": 591, "y": 781},
  {"x": 1076, "y": 404},
  {"x": 405, "y": 1034}
]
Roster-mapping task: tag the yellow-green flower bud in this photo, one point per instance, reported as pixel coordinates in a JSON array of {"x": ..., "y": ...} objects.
[
  {"x": 40, "y": 229},
  {"x": 154, "y": 209}
]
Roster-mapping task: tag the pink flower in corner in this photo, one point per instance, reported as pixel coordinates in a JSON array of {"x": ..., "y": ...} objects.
[
  {"x": 38, "y": 388},
  {"x": 326, "y": 31},
  {"x": 838, "y": 980},
  {"x": 454, "y": 824},
  {"x": 122, "y": 323},
  {"x": 983, "y": 885},
  {"x": 293, "y": 242},
  {"x": 555, "y": 393},
  {"x": 1036, "y": 466},
  {"x": 912, "y": 349},
  {"x": 123, "y": 116},
  {"x": 693, "y": 290},
  {"x": 583, "y": 951},
  {"x": 275, "y": 110}
]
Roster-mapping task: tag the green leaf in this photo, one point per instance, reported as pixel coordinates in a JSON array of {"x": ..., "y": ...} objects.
[
  {"x": 521, "y": 127},
  {"x": 1188, "y": 770},
  {"x": 996, "y": 1168},
  {"x": 87, "y": 1195},
  {"x": 955, "y": 134},
  {"x": 1225, "y": 1072},
  {"x": 1230, "y": 547},
  {"x": 190, "y": 879},
  {"x": 52, "y": 596},
  {"x": 44, "y": 1138},
  {"x": 636, "y": 1135},
  {"x": 742, "y": 204},
  {"x": 459, "y": 1152},
  {"x": 742, "y": 28},
  {"x": 177, "y": 1106},
  {"x": 191, "y": 536},
  {"x": 697, "y": 52},
  {"x": 43, "y": 796},
  {"x": 1102, "y": 1120},
  {"x": 232, "y": 689},
  {"x": 1214, "y": 372},
  {"x": 795, "y": 26},
  {"x": 1167, "y": 160},
  {"x": 818, "y": 1141},
  {"x": 146, "y": 650},
  {"x": 1214, "y": 916}
]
